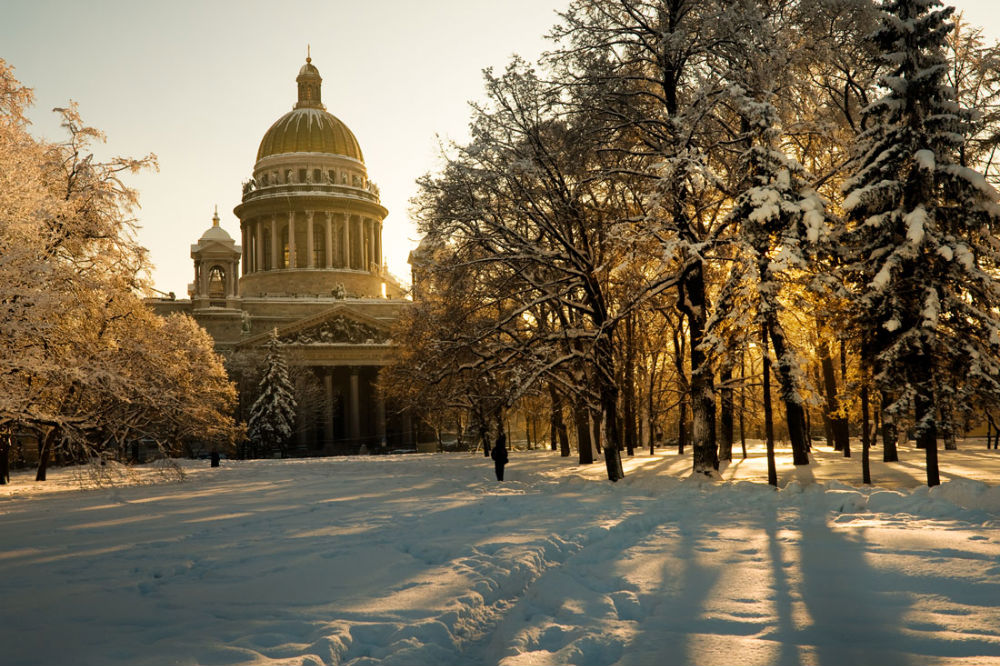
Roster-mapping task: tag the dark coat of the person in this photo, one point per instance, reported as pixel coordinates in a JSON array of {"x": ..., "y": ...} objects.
[{"x": 499, "y": 455}]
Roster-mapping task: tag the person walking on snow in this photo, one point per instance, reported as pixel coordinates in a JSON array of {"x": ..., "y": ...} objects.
[{"x": 499, "y": 453}]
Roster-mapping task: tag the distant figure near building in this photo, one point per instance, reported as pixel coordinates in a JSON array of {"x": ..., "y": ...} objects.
[{"x": 499, "y": 454}]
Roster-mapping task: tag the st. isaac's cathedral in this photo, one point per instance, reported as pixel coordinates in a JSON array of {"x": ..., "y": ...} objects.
[{"x": 309, "y": 264}]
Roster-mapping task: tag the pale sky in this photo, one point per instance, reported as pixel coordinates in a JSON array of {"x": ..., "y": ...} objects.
[{"x": 199, "y": 83}]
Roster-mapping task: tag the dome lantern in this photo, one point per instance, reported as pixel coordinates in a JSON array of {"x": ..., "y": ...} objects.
[{"x": 310, "y": 85}]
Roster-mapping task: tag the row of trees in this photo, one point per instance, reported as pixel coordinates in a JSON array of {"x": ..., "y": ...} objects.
[
  {"x": 681, "y": 186},
  {"x": 85, "y": 367}
]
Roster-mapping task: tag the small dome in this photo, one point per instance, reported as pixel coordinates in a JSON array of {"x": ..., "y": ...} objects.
[
  {"x": 309, "y": 70},
  {"x": 309, "y": 130},
  {"x": 215, "y": 232}
]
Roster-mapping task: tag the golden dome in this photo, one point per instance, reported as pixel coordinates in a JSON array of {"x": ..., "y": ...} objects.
[{"x": 308, "y": 128}]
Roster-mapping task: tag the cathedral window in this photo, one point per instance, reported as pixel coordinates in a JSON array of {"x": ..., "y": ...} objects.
[
  {"x": 317, "y": 176},
  {"x": 302, "y": 175}
]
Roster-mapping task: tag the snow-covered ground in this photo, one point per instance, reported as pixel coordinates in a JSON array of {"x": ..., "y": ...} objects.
[{"x": 424, "y": 559}]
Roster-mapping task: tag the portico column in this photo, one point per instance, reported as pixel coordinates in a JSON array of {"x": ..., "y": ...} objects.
[
  {"x": 378, "y": 244},
  {"x": 328, "y": 408},
  {"x": 310, "y": 247},
  {"x": 355, "y": 405},
  {"x": 274, "y": 242},
  {"x": 293, "y": 261},
  {"x": 245, "y": 233},
  {"x": 329, "y": 239}
]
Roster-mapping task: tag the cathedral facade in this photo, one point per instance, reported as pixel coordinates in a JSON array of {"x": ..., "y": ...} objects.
[{"x": 309, "y": 265}]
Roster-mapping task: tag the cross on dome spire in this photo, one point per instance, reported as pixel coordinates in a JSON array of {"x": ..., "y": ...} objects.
[{"x": 215, "y": 217}]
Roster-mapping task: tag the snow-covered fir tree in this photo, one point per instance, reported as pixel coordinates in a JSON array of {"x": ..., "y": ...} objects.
[
  {"x": 921, "y": 249},
  {"x": 272, "y": 416}
]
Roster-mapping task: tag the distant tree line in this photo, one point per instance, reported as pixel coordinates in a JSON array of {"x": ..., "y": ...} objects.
[{"x": 687, "y": 201}]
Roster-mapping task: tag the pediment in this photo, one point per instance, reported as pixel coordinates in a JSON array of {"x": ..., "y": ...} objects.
[
  {"x": 338, "y": 326},
  {"x": 214, "y": 247}
]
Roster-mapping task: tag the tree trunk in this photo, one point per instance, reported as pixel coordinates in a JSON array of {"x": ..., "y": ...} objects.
[
  {"x": 827, "y": 423},
  {"x": 948, "y": 426},
  {"x": 866, "y": 474},
  {"x": 595, "y": 432},
  {"x": 612, "y": 452},
  {"x": 926, "y": 426},
  {"x": 890, "y": 434},
  {"x": 996, "y": 431},
  {"x": 582, "y": 419},
  {"x": 838, "y": 421},
  {"x": 682, "y": 426},
  {"x": 794, "y": 411},
  {"x": 44, "y": 451},
  {"x": 557, "y": 424},
  {"x": 772, "y": 470},
  {"x": 692, "y": 301},
  {"x": 628, "y": 399},
  {"x": 4, "y": 459},
  {"x": 726, "y": 411},
  {"x": 743, "y": 432}
]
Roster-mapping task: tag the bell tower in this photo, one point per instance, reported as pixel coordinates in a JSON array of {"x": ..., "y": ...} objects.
[{"x": 216, "y": 269}]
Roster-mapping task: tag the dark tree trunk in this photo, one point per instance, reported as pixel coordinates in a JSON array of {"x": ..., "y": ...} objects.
[
  {"x": 743, "y": 432},
  {"x": 612, "y": 452},
  {"x": 682, "y": 427},
  {"x": 866, "y": 473},
  {"x": 726, "y": 412},
  {"x": 582, "y": 421},
  {"x": 996, "y": 431},
  {"x": 692, "y": 301},
  {"x": 44, "y": 451},
  {"x": 595, "y": 431},
  {"x": 948, "y": 428},
  {"x": 838, "y": 421},
  {"x": 794, "y": 411},
  {"x": 772, "y": 470},
  {"x": 4, "y": 459},
  {"x": 890, "y": 434},
  {"x": 628, "y": 399},
  {"x": 926, "y": 426},
  {"x": 827, "y": 423},
  {"x": 558, "y": 424}
]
